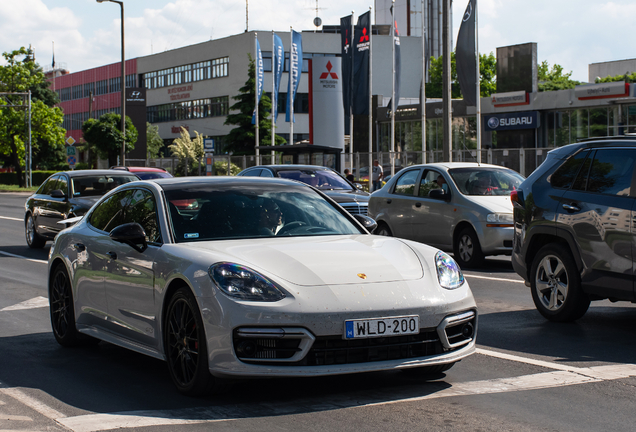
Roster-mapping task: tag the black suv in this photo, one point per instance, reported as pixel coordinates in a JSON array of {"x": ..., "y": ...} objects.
[{"x": 575, "y": 227}]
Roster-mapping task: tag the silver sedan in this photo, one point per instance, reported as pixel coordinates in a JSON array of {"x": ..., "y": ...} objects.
[
  {"x": 262, "y": 277},
  {"x": 455, "y": 206}
]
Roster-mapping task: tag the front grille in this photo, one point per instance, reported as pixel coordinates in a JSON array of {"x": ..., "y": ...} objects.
[{"x": 356, "y": 208}]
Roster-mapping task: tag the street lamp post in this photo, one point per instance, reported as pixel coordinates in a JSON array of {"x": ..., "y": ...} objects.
[{"x": 123, "y": 84}]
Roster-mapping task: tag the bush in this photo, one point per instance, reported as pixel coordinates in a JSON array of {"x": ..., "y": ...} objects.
[
  {"x": 38, "y": 177},
  {"x": 220, "y": 168}
]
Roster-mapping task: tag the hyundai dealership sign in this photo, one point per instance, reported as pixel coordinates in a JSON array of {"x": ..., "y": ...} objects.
[{"x": 511, "y": 121}]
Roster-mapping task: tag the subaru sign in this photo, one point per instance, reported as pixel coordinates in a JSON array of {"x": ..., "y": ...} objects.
[{"x": 511, "y": 121}]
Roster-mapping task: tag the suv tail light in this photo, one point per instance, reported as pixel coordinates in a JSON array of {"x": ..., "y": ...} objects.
[{"x": 516, "y": 196}]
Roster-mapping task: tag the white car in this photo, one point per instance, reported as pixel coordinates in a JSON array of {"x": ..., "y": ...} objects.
[{"x": 263, "y": 277}]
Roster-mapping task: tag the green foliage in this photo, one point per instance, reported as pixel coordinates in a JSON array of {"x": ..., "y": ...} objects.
[
  {"x": 21, "y": 74},
  {"x": 187, "y": 149},
  {"x": 220, "y": 168},
  {"x": 38, "y": 177},
  {"x": 154, "y": 143},
  {"x": 105, "y": 138},
  {"x": 241, "y": 140},
  {"x": 487, "y": 71},
  {"x": 630, "y": 78},
  {"x": 554, "y": 79}
]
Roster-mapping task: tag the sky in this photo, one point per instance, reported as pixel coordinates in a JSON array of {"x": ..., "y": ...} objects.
[{"x": 86, "y": 34}]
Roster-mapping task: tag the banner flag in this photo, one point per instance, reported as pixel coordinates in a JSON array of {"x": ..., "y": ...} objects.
[
  {"x": 345, "y": 39},
  {"x": 466, "y": 55},
  {"x": 278, "y": 60},
  {"x": 398, "y": 62},
  {"x": 362, "y": 43},
  {"x": 259, "y": 78},
  {"x": 295, "y": 70}
]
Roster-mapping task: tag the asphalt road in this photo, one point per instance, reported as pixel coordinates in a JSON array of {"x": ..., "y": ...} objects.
[{"x": 528, "y": 374}]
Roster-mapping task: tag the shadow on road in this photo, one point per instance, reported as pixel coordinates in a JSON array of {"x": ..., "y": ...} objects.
[{"x": 25, "y": 251}]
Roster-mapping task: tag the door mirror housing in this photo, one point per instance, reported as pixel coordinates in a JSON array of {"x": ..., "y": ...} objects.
[
  {"x": 131, "y": 234},
  {"x": 366, "y": 221},
  {"x": 439, "y": 194},
  {"x": 57, "y": 193}
]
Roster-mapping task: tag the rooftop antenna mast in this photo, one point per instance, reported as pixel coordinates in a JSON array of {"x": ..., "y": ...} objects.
[
  {"x": 246, "y": 16},
  {"x": 317, "y": 20}
]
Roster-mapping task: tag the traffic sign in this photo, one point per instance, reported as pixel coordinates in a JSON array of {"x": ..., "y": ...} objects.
[
  {"x": 71, "y": 160},
  {"x": 70, "y": 141},
  {"x": 71, "y": 151},
  {"x": 208, "y": 144}
]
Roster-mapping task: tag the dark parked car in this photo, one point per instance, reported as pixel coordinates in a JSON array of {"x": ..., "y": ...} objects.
[
  {"x": 332, "y": 183},
  {"x": 574, "y": 231},
  {"x": 65, "y": 195},
  {"x": 145, "y": 173}
]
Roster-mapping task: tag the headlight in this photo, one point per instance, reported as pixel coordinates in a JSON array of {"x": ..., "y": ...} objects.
[
  {"x": 502, "y": 218},
  {"x": 244, "y": 283},
  {"x": 449, "y": 274}
]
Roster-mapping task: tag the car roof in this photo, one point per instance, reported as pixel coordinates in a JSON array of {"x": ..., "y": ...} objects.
[
  {"x": 173, "y": 183},
  {"x": 611, "y": 141},
  {"x": 451, "y": 165},
  {"x": 290, "y": 167},
  {"x": 139, "y": 169},
  {"x": 81, "y": 173}
]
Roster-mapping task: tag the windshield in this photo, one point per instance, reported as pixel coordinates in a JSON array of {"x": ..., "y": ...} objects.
[
  {"x": 246, "y": 211},
  {"x": 321, "y": 179},
  {"x": 97, "y": 185},
  {"x": 486, "y": 181}
]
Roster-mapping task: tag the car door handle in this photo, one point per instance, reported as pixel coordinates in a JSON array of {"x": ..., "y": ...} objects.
[
  {"x": 571, "y": 207},
  {"x": 79, "y": 246},
  {"x": 419, "y": 204},
  {"x": 112, "y": 255}
]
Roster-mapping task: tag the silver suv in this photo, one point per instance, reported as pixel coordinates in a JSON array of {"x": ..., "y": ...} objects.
[{"x": 460, "y": 207}]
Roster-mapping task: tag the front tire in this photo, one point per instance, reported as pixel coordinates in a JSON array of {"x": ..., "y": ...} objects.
[
  {"x": 61, "y": 308},
  {"x": 467, "y": 250},
  {"x": 185, "y": 345},
  {"x": 33, "y": 239},
  {"x": 383, "y": 230},
  {"x": 556, "y": 285}
]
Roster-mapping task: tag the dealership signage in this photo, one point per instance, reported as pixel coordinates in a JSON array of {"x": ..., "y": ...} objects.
[
  {"x": 512, "y": 121},
  {"x": 603, "y": 90},
  {"x": 181, "y": 92},
  {"x": 510, "y": 99}
]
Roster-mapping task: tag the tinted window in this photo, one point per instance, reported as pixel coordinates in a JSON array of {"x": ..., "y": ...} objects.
[
  {"x": 62, "y": 184},
  {"x": 252, "y": 172},
  {"x": 565, "y": 175},
  {"x": 49, "y": 185},
  {"x": 111, "y": 213},
  {"x": 581, "y": 179},
  {"x": 485, "y": 180},
  {"x": 96, "y": 185},
  {"x": 152, "y": 175},
  {"x": 405, "y": 185},
  {"x": 266, "y": 173},
  {"x": 143, "y": 210},
  {"x": 323, "y": 179},
  {"x": 611, "y": 171}
]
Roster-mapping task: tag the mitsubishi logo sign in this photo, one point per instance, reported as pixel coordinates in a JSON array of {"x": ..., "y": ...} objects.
[
  {"x": 327, "y": 74},
  {"x": 365, "y": 36}
]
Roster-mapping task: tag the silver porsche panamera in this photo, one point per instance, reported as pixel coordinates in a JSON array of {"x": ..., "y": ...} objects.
[{"x": 257, "y": 277}]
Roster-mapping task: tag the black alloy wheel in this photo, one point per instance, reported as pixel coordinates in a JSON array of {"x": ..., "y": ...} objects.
[
  {"x": 33, "y": 239},
  {"x": 467, "y": 250},
  {"x": 61, "y": 308},
  {"x": 556, "y": 285},
  {"x": 383, "y": 230},
  {"x": 185, "y": 345}
]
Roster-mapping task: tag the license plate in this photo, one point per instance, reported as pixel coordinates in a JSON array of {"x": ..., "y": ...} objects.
[{"x": 381, "y": 327}]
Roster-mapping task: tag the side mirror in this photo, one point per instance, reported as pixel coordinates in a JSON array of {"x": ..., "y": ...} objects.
[
  {"x": 439, "y": 194},
  {"x": 366, "y": 221},
  {"x": 57, "y": 193},
  {"x": 358, "y": 186},
  {"x": 131, "y": 234}
]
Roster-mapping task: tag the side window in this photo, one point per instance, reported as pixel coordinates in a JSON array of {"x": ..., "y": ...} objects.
[
  {"x": 611, "y": 172},
  {"x": 252, "y": 173},
  {"x": 143, "y": 210},
  {"x": 62, "y": 184},
  {"x": 429, "y": 182},
  {"x": 266, "y": 173},
  {"x": 564, "y": 176},
  {"x": 110, "y": 213},
  {"x": 581, "y": 180},
  {"x": 405, "y": 185},
  {"x": 49, "y": 185}
]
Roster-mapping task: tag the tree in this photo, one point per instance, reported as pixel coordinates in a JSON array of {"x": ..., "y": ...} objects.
[
  {"x": 154, "y": 142},
  {"x": 47, "y": 134},
  {"x": 487, "y": 80},
  {"x": 188, "y": 150},
  {"x": 554, "y": 79},
  {"x": 105, "y": 138},
  {"x": 630, "y": 78},
  {"x": 241, "y": 140}
]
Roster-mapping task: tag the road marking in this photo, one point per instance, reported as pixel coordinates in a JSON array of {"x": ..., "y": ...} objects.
[
  {"x": 23, "y": 257},
  {"x": 34, "y": 303},
  {"x": 493, "y": 278},
  {"x": 15, "y": 417},
  {"x": 12, "y": 218},
  {"x": 32, "y": 403},
  {"x": 132, "y": 419}
]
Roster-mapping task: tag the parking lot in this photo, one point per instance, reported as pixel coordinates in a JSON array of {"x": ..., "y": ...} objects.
[{"x": 528, "y": 374}]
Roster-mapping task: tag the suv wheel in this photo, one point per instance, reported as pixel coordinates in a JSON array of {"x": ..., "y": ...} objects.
[
  {"x": 467, "y": 250},
  {"x": 556, "y": 285}
]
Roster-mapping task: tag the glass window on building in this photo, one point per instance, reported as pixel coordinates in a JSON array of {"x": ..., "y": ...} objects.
[
  {"x": 219, "y": 106},
  {"x": 114, "y": 84},
  {"x": 78, "y": 92},
  {"x": 131, "y": 81},
  {"x": 599, "y": 122},
  {"x": 88, "y": 88},
  {"x": 220, "y": 67},
  {"x": 101, "y": 87},
  {"x": 579, "y": 124},
  {"x": 150, "y": 80},
  {"x": 630, "y": 113}
]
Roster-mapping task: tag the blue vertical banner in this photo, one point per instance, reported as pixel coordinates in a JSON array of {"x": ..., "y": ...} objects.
[
  {"x": 398, "y": 62},
  {"x": 345, "y": 52},
  {"x": 295, "y": 70},
  {"x": 362, "y": 44},
  {"x": 278, "y": 61},
  {"x": 259, "y": 78}
]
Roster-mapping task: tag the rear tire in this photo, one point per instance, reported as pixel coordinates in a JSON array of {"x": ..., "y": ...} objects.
[
  {"x": 556, "y": 285},
  {"x": 33, "y": 239},
  {"x": 467, "y": 250},
  {"x": 186, "y": 348},
  {"x": 61, "y": 308}
]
